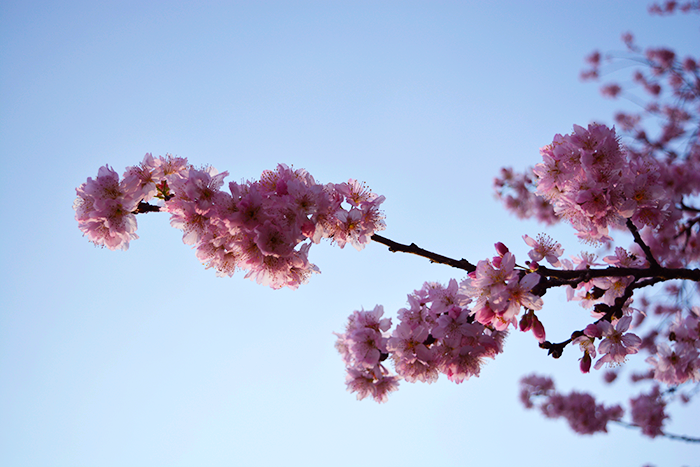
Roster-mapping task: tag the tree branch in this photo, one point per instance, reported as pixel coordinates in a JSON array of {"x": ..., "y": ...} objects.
[
  {"x": 687, "y": 439},
  {"x": 638, "y": 240},
  {"x": 145, "y": 207},
  {"x": 416, "y": 250}
]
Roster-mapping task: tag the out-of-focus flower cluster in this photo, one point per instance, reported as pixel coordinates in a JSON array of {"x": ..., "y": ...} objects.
[
  {"x": 671, "y": 6},
  {"x": 517, "y": 193},
  {"x": 264, "y": 227},
  {"x": 678, "y": 360},
  {"x": 585, "y": 415},
  {"x": 579, "y": 409}
]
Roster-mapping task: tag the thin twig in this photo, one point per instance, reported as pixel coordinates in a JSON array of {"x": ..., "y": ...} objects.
[{"x": 687, "y": 439}]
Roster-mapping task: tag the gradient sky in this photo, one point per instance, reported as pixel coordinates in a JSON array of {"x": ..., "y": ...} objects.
[{"x": 144, "y": 358}]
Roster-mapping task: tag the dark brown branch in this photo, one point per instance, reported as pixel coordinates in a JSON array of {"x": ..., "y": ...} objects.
[
  {"x": 145, "y": 207},
  {"x": 614, "y": 311},
  {"x": 553, "y": 277},
  {"x": 416, "y": 250},
  {"x": 584, "y": 275},
  {"x": 684, "y": 207},
  {"x": 638, "y": 240}
]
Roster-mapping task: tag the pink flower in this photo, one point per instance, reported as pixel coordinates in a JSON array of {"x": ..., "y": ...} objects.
[
  {"x": 355, "y": 193},
  {"x": 367, "y": 383},
  {"x": 366, "y": 345},
  {"x": 675, "y": 366},
  {"x": 624, "y": 259},
  {"x": 581, "y": 411},
  {"x": 500, "y": 292},
  {"x": 544, "y": 248},
  {"x": 610, "y": 90},
  {"x": 616, "y": 345},
  {"x": 534, "y": 385},
  {"x": 587, "y": 344},
  {"x": 273, "y": 240}
]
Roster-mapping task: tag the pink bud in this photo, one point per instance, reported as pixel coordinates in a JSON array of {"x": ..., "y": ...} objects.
[
  {"x": 526, "y": 322},
  {"x": 585, "y": 363},
  {"x": 592, "y": 331},
  {"x": 501, "y": 248},
  {"x": 538, "y": 329}
]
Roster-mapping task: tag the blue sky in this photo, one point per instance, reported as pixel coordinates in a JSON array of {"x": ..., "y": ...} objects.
[{"x": 145, "y": 358}]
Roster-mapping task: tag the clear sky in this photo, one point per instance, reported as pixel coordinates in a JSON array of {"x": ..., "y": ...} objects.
[{"x": 144, "y": 358}]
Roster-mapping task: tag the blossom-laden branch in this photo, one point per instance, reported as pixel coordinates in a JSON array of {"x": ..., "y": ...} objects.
[
  {"x": 586, "y": 178},
  {"x": 586, "y": 417},
  {"x": 264, "y": 227},
  {"x": 592, "y": 184}
]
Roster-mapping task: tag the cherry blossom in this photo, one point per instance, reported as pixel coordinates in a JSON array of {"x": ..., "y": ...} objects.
[
  {"x": 616, "y": 344},
  {"x": 610, "y": 184},
  {"x": 264, "y": 227}
]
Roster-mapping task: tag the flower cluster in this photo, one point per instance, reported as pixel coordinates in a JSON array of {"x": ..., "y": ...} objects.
[
  {"x": 517, "y": 193},
  {"x": 590, "y": 182},
  {"x": 500, "y": 291},
  {"x": 436, "y": 334},
  {"x": 579, "y": 409},
  {"x": 649, "y": 412},
  {"x": 105, "y": 206},
  {"x": 264, "y": 227},
  {"x": 667, "y": 86},
  {"x": 679, "y": 362},
  {"x": 363, "y": 347}
]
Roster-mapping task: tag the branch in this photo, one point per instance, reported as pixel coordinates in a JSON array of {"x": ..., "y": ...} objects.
[
  {"x": 416, "y": 250},
  {"x": 145, "y": 207},
  {"x": 556, "y": 277},
  {"x": 687, "y": 439},
  {"x": 584, "y": 275},
  {"x": 615, "y": 311},
  {"x": 638, "y": 240}
]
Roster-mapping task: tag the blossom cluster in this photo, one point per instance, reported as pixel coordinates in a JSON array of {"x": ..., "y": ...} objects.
[
  {"x": 363, "y": 348},
  {"x": 670, "y": 85},
  {"x": 105, "y": 209},
  {"x": 679, "y": 362},
  {"x": 579, "y": 409},
  {"x": 264, "y": 227},
  {"x": 449, "y": 329},
  {"x": 590, "y": 182},
  {"x": 500, "y": 290},
  {"x": 649, "y": 412},
  {"x": 517, "y": 193},
  {"x": 585, "y": 415},
  {"x": 437, "y": 333}
]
